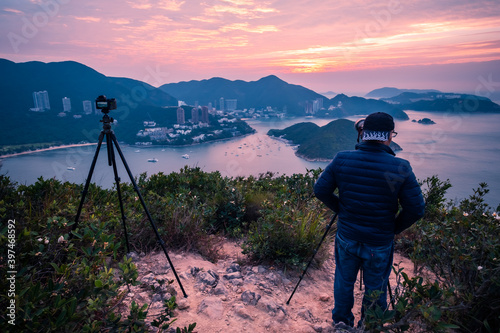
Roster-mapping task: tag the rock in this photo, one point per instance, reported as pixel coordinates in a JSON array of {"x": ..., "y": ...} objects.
[
  {"x": 236, "y": 282},
  {"x": 135, "y": 257},
  {"x": 231, "y": 276},
  {"x": 209, "y": 278},
  {"x": 250, "y": 298},
  {"x": 233, "y": 268},
  {"x": 148, "y": 279},
  {"x": 273, "y": 278},
  {"x": 317, "y": 328},
  {"x": 306, "y": 315},
  {"x": 220, "y": 289},
  {"x": 182, "y": 304},
  {"x": 251, "y": 279},
  {"x": 324, "y": 298},
  {"x": 240, "y": 311},
  {"x": 211, "y": 307},
  {"x": 194, "y": 271},
  {"x": 268, "y": 305}
]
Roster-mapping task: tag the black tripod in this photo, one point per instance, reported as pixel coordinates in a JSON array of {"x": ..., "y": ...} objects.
[
  {"x": 312, "y": 258},
  {"x": 110, "y": 140}
]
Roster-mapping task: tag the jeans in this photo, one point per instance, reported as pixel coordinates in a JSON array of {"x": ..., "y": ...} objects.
[{"x": 376, "y": 263}]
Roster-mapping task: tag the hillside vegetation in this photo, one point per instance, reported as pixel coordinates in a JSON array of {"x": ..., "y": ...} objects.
[
  {"x": 321, "y": 143},
  {"x": 71, "y": 278}
]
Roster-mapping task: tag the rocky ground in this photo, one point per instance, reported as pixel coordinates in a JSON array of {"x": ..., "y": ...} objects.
[{"x": 235, "y": 296}]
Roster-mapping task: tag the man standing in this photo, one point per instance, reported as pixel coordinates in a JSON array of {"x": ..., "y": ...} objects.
[{"x": 378, "y": 197}]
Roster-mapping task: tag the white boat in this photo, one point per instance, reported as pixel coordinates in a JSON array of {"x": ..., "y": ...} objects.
[
  {"x": 71, "y": 168},
  {"x": 153, "y": 160},
  {"x": 186, "y": 156}
]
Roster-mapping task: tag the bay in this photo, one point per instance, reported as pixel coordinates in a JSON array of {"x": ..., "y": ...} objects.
[{"x": 462, "y": 148}]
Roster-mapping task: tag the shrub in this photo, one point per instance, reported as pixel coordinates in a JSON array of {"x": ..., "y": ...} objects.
[
  {"x": 462, "y": 249},
  {"x": 459, "y": 244},
  {"x": 287, "y": 234},
  {"x": 66, "y": 280}
]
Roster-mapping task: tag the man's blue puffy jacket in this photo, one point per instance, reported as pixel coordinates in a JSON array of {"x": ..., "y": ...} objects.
[{"x": 371, "y": 181}]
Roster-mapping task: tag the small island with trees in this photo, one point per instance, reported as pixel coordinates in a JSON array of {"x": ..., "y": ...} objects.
[
  {"x": 317, "y": 143},
  {"x": 424, "y": 121}
]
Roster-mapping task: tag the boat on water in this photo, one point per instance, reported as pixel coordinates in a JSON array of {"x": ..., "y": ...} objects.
[
  {"x": 186, "y": 156},
  {"x": 71, "y": 168},
  {"x": 153, "y": 160}
]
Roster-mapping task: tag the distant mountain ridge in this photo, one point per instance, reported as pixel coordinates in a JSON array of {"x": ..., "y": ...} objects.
[
  {"x": 344, "y": 106},
  {"x": 387, "y": 92},
  {"x": 138, "y": 101},
  {"x": 267, "y": 91},
  {"x": 444, "y": 102},
  {"x": 274, "y": 92}
]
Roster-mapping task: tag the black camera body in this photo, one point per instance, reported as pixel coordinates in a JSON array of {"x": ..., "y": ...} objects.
[{"x": 105, "y": 104}]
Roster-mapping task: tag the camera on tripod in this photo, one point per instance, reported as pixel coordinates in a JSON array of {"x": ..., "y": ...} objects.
[{"x": 105, "y": 104}]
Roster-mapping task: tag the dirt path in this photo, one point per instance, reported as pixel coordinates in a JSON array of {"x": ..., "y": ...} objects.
[{"x": 230, "y": 296}]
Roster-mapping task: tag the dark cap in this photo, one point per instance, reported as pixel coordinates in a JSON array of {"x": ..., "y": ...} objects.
[{"x": 378, "y": 126}]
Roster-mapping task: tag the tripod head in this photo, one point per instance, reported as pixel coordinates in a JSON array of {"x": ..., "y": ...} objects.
[{"x": 106, "y": 122}]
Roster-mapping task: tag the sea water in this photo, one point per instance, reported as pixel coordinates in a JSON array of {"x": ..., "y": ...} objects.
[{"x": 462, "y": 148}]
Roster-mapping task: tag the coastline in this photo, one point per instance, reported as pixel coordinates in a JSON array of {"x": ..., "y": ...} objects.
[
  {"x": 47, "y": 149},
  {"x": 131, "y": 145}
]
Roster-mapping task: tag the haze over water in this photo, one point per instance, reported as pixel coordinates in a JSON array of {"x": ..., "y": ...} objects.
[{"x": 464, "y": 149}]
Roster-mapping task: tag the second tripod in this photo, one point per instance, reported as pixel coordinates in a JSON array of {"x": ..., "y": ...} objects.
[{"x": 111, "y": 142}]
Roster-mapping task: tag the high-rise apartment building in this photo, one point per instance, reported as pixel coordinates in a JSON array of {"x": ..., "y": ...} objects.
[
  {"x": 66, "y": 104},
  {"x": 195, "y": 116},
  {"x": 231, "y": 104},
  {"x": 41, "y": 101},
  {"x": 180, "y": 116},
  {"x": 221, "y": 104},
  {"x": 87, "y": 107},
  {"x": 204, "y": 114}
]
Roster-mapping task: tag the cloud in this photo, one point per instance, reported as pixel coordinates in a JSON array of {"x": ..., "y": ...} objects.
[
  {"x": 246, "y": 27},
  {"x": 172, "y": 5},
  {"x": 140, "y": 4},
  {"x": 282, "y": 36},
  {"x": 240, "y": 9},
  {"x": 119, "y": 21},
  {"x": 12, "y": 10},
  {"x": 88, "y": 19}
]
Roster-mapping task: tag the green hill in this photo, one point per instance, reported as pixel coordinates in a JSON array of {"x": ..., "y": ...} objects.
[
  {"x": 319, "y": 143},
  {"x": 137, "y": 101},
  {"x": 268, "y": 91}
]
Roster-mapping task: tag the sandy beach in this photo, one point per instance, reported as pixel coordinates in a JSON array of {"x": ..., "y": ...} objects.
[{"x": 46, "y": 149}]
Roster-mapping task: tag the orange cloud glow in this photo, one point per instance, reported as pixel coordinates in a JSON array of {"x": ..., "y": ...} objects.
[{"x": 255, "y": 38}]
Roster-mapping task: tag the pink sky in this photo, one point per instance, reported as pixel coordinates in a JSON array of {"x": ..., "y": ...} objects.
[{"x": 350, "y": 46}]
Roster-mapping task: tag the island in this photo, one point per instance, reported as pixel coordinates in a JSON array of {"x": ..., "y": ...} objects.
[
  {"x": 315, "y": 143},
  {"x": 424, "y": 121}
]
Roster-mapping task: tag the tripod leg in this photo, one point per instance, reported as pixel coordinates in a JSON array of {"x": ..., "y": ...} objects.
[
  {"x": 87, "y": 183},
  {"x": 111, "y": 155},
  {"x": 314, "y": 253},
  {"x": 136, "y": 188}
]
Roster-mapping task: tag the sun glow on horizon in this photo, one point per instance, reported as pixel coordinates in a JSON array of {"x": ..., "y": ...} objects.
[{"x": 212, "y": 38}]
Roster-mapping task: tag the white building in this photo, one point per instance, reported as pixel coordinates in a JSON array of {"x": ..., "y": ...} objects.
[
  {"x": 41, "y": 101},
  {"x": 87, "y": 107},
  {"x": 231, "y": 104},
  {"x": 66, "y": 104}
]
